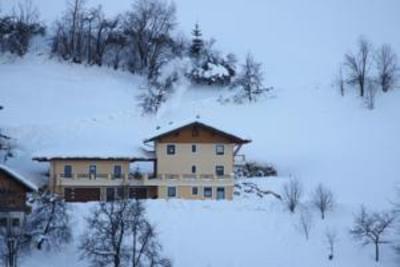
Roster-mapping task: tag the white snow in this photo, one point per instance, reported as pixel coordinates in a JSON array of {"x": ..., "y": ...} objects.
[{"x": 307, "y": 131}]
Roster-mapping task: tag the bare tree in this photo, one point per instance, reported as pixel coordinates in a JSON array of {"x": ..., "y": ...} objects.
[
  {"x": 387, "y": 68},
  {"x": 340, "y": 82},
  {"x": 110, "y": 229},
  {"x": 331, "y": 239},
  {"x": 370, "y": 228},
  {"x": 323, "y": 200},
  {"x": 13, "y": 243},
  {"x": 305, "y": 222},
  {"x": 7, "y": 145},
  {"x": 292, "y": 193},
  {"x": 371, "y": 90},
  {"x": 358, "y": 65},
  {"x": 250, "y": 81},
  {"x": 49, "y": 222},
  {"x": 149, "y": 28}
]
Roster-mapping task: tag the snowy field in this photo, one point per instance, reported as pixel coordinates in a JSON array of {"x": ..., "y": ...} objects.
[{"x": 305, "y": 129}]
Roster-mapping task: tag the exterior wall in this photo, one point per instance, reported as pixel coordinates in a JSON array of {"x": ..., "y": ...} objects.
[
  {"x": 185, "y": 192},
  {"x": 12, "y": 194},
  {"x": 205, "y": 158}
]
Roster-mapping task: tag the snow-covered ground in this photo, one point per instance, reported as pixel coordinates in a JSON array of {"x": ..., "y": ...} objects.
[{"x": 306, "y": 130}]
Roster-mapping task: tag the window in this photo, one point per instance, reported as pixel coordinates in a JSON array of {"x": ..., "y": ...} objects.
[
  {"x": 3, "y": 222},
  {"x": 193, "y": 169},
  {"x": 110, "y": 194},
  {"x": 220, "y": 193},
  {"x": 219, "y": 149},
  {"x": 171, "y": 191},
  {"x": 171, "y": 149},
  {"x": 92, "y": 170},
  {"x": 117, "y": 171},
  {"x": 194, "y": 149},
  {"x": 208, "y": 192},
  {"x": 67, "y": 171},
  {"x": 195, "y": 191},
  {"x": 15, "y": 222},
  {"x": 219, "y": 170}
]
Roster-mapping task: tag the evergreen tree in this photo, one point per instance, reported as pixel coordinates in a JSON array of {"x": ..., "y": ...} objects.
[{"x": 197, "y": 42}]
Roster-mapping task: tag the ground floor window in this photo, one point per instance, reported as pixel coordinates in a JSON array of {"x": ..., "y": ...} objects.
[
  {"x": 171, "y": 191},
  {"x": 195, "y": 191},
  {"x": 220, "y": 193},
  {"x": 207, "y": 192}
]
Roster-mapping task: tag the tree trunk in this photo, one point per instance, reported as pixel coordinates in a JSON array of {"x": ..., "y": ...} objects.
[{"x": 376, "y": 252}]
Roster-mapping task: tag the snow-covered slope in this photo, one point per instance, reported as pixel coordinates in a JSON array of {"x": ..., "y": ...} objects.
[{"x": 306, "y": 130}]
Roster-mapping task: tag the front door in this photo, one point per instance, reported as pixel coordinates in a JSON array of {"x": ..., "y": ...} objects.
[{"x": 220, "y": 193}]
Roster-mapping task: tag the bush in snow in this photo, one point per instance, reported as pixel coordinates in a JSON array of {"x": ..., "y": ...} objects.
[
  {"x": 255, "y": 169},
  {"x": 17, "y": 30},
  {"x": 249, "y": 83},
  {"x": 323, "y": 200},
  {"x": 49, "y": 223},
  {"x": 118, "y": 234},
  {"x": 370, "y": 228},
  {"x": 292, "y": 193}
]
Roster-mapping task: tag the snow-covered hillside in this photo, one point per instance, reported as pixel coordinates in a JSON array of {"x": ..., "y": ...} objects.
[{"x": 305, "y": 128}]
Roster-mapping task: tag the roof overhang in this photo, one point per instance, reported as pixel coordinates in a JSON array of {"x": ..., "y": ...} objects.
[
  {"x": 233, "y": 138},
  {"x": 19, "y": 178}
]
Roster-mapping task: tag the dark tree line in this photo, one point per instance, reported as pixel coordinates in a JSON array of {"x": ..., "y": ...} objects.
[
  {"x": 140, "y": 40},
  {"x": 18, "y": 29}
]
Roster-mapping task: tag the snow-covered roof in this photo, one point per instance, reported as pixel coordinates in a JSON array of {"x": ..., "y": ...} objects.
[
  {"x": 171, "y": 127},
  {"x": 18, "y": 177},
  {"x": 109, "y": 152}
]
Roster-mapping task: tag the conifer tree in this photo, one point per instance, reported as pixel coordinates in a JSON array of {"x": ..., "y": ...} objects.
[{"x": 197, "y": 42}]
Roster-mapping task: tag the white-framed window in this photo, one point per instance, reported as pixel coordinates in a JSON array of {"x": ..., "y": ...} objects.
[
  {"x": 194, "y": 148},
  {"x": 220, "y": 149},
  {"x": 171, "y": 191},
  {"x": 208, "y": 192},
  {"x": 194, "y": 169},
  {"x": 219, "y": 170},
  {"x": 171, "y": 149}
]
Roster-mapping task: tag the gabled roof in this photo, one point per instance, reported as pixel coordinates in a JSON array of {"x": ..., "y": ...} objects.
[
  {"x": 19, "y": 178},
  {"x": 161, "y": 132}
]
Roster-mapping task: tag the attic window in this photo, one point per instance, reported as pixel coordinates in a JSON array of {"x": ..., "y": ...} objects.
[{"x": 195, "y": 131}]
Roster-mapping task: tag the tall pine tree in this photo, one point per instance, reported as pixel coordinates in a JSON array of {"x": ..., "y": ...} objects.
[{"x": 197, "y": 43}]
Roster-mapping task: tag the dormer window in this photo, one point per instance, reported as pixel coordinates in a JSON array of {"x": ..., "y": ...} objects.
[
  {"x": 170, "y": 149},
  {"x": 220, "y": 149}
]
